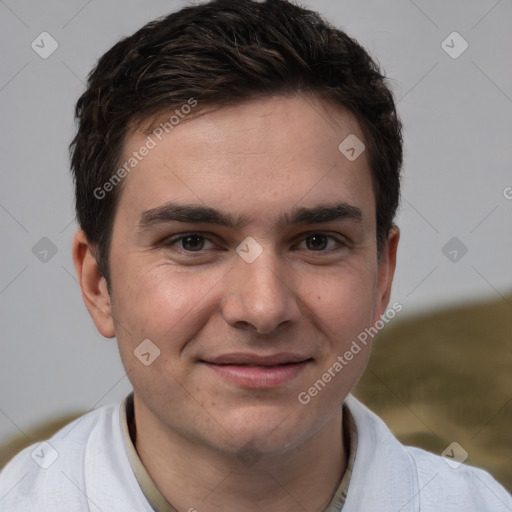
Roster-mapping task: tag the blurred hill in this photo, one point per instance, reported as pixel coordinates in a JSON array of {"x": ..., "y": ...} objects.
[
  {"x": 435, "y": 378},
  {"x": 447, "y": 376}
]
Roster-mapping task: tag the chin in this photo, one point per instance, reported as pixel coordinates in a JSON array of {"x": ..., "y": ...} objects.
[{"x": 267, "y": 429}]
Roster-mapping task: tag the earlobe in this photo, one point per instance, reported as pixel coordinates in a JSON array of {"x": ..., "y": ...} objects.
[
  {"x": 93, "y": 285},
  {"x": 386, "y": 271}
]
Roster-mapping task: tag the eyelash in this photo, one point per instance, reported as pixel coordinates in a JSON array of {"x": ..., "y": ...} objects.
[{"x": 172, "y": 241}]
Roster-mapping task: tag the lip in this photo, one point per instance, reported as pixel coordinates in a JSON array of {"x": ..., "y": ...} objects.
[
  {"x": 256, "y": 371},
  {"x": 242, "y": 358}
]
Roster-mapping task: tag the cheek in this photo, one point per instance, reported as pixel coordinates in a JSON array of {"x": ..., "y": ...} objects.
[
  {"x": 344, "y": 303},
  {"x": 344, "y": 308},
  {"x": 164, "y": 307},
  {"x": 160, "y": 304}
]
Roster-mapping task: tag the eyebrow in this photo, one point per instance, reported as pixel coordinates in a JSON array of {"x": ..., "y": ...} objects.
[{"x": 189, "y": 213}]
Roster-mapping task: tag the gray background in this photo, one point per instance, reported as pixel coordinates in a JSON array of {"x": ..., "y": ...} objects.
[{"x": 458, "y": 127}]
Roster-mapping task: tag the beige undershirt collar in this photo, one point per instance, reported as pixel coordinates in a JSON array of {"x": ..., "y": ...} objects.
[{"x": 160, "y": 504}]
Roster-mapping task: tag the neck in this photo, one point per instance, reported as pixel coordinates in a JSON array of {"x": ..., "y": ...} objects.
[{"x": 192, "y": 476}]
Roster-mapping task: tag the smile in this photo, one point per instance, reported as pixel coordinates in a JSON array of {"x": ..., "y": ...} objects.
[{"x": 258, "y": 372}]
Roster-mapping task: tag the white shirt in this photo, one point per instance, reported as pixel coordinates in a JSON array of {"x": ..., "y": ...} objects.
[{"x": 85, "y": 467}]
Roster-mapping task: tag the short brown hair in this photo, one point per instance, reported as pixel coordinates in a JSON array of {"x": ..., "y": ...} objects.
[{"x": 221, "y": 53}]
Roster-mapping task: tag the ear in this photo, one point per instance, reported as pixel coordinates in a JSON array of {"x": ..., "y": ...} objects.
[
  {"x": 386, "y": 271},
  {"x": 93, "y": 285}
]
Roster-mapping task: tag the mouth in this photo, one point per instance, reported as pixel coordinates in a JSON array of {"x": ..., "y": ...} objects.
[{"x": 258, "y": 372}]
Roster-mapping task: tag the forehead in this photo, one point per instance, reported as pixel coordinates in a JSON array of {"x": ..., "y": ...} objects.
[{"x": 274, "y": 152}]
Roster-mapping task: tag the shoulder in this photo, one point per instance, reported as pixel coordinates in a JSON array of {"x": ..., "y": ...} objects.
[
  {"x": 449, "y": 482},
  {"x": 52, "y": 472},
  {"x": 413, "y": 479}
]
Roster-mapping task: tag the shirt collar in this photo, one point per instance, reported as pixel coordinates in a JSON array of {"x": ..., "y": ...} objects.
[{"x": 160, "y": 504}]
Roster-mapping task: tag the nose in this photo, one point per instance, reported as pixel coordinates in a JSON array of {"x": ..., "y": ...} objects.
[{"x": 260, "y": 296}]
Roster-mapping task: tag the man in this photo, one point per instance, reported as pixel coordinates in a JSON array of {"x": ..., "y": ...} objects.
[{"x": 216, "y": 149}]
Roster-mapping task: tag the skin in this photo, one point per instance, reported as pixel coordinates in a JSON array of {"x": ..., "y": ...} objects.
[{"x": 259, "y": 159}]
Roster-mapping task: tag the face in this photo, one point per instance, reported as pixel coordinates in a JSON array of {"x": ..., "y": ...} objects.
[{"x": 244, "y": 249}]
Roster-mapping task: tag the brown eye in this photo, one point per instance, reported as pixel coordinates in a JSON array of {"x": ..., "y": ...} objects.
[
  {"x": 189, "y": 242},
  {"x": 322, "y": 242},
  {"x": 192, "y": 242},
  {"x": 316, "y": 242}
]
